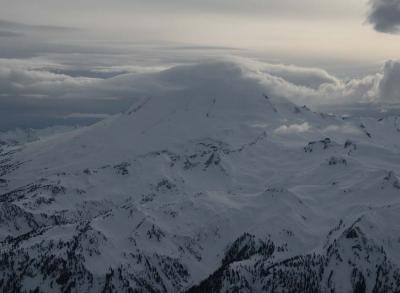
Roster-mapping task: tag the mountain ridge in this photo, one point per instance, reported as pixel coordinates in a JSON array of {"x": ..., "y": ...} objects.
[{"x": 209, "y": 182}]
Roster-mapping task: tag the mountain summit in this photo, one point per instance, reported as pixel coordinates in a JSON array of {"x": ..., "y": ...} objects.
[{"x": 208, "y": 183}]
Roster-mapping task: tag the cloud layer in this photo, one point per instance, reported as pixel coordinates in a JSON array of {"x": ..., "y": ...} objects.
[
  {"x": 33, "y": 80},
  {"x": 293, "y": 128},
  {"x": 385, "y": 15},
  {"x": 302, "y": 85},
  {"x": 312, "y": 86},
  {"x": 389, "y": 86}
]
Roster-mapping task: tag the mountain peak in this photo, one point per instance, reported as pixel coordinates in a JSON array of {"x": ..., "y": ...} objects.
[{"x": 207, "y": 179}]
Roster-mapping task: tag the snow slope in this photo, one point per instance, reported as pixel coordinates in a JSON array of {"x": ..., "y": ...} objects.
[
  {"x": 207, "y": 184},
  {"x": 21, "y": 136}
]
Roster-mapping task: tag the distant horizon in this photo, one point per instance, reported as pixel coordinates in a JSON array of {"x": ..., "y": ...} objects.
[{"x": 58, "y": 58}]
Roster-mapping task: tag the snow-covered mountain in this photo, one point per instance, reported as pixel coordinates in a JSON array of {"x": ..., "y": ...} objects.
[
  {"x": 209, "y": 183},
  {"x": 22, "y": 135}
]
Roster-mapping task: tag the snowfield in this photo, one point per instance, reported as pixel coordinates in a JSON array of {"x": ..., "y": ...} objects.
[{"x": 209, "y": 183}]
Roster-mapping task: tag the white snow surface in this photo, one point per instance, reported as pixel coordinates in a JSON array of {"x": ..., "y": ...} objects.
[
  {"x": 23, "y": 135},
  {"x": 205, "y": 155}
]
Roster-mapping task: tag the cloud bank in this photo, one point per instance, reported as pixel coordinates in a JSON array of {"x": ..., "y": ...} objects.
[
  {"x": 384, "y": 15},
  {"x": 310, "y": 86},
  {"x": 389, "y": 86},
  {"x": 37, "y": 82}
]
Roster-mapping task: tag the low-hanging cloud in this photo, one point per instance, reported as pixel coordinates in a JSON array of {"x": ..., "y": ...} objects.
[
  {"x": 293, "y": 128},
  {"x": 22, "y": 82},
  {"x": 301, "y": 85},
  {"x": 300, "y": 76},
  {"x": 389, "y": 87},
  {"x": 37, "y": 79},
  {"x": 384, "y": 15},
  {"x": 310, "y": 86}
]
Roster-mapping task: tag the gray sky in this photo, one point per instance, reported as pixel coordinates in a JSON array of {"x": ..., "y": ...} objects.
[{"x": 324, "y": 28}]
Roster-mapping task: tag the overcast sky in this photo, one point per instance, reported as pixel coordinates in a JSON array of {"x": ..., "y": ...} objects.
[
  {"x": 336, "y": 29},
  {"x": 60, "y": 57}
]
